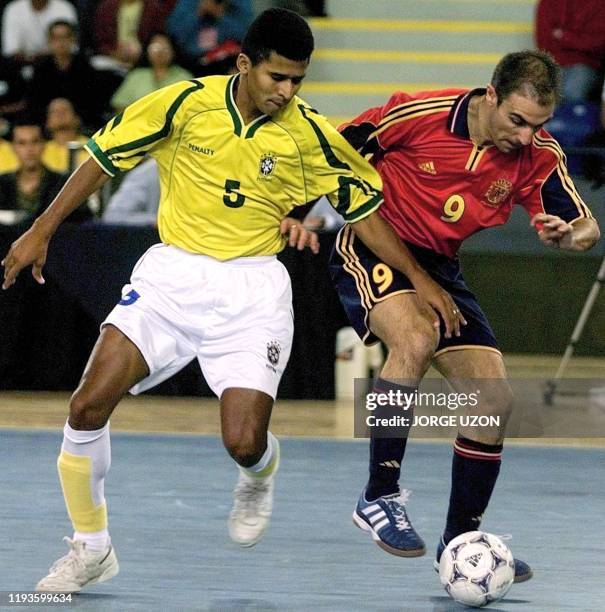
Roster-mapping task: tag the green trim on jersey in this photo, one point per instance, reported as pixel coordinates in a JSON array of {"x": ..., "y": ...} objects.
[
  {"x": 93, "y": 148},
  {"x": 117, "y": 120},
  {"x": 237, "y": 122},
  {"x": 364, "y": 210},
  {"x": 238, "y": 125},
  {"x": 165, "y": 129},
  {"x": 257, "y": 123},
  {"x": 323, "y": 141},
  {"x": 345, "y": 183}
]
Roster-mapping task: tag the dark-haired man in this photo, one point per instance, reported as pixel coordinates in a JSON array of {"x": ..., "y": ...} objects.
[
  {"x": 452, "y": 163},
  {"x": 66, "y": 73},
  {"x": 235, "y": 155},
  {"x": 33, "y": 186}
]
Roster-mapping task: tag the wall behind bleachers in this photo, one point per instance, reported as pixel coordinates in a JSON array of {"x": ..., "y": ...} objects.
[{"x": 366, "y": 50}]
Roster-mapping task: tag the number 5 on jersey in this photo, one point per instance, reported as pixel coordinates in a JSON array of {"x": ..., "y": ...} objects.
[{"x": 231, "y": 198}]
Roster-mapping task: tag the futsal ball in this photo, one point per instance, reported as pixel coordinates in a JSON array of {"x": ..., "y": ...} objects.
[{"x": 476, "y": 568}]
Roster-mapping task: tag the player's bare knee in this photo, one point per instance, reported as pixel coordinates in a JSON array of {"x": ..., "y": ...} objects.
[
  {"x": 498, "y": 401},
  {"x": 245, "y": 450},
  {"x": 87, "y": 414},
  {"x": 488, "y": 425},
  {"x": 414, "y": 346}
]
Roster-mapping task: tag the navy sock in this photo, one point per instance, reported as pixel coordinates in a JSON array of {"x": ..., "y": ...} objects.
[
  {"x": 475, "y": 468},
  {"x": 386, "y": 454}
]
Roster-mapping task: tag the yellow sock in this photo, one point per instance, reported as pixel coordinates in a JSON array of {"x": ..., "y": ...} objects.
[{"x": 75, "y": 473}]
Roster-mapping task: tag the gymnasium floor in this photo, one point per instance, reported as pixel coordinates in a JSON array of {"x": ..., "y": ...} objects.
[{"x": 169, "y": 494}]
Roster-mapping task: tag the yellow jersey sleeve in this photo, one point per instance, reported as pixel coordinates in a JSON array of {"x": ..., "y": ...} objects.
[
  {"x": 123, "y": 142},
  {"x": 333, "y": 168}
]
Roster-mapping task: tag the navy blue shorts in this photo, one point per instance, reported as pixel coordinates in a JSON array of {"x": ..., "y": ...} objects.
[{"x": 362, "y": 281}]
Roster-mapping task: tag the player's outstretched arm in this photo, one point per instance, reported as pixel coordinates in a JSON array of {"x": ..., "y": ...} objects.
[
  {"x": 380, "y": 238},
  {"x": 298, "y": 235},
  {"x": 32, "y": 246},
  {"x": 580, "y": 235}
]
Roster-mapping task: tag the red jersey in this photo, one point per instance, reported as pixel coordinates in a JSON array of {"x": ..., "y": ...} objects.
[{"x": 439, "y": 187}]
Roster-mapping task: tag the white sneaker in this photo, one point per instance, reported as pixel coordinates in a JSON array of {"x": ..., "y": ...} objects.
[
  {"x": 252, "y": 507},
  {"x": 79, "y": 568}
]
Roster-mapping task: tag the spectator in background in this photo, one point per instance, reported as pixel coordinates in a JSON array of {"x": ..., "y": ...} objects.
[
  {"x": 157, "y": 69},
  {"x": 65, "y": 73},
  {"x": 120, "y": 26},
  {"x": 29, "y": 190},
  {"x": 209, "y": 30},
  {"x": 12, "y": 91},
  {"x": 63, "y": 126},
  {"x": 25, "y": 26},
  {"x": 574, "y": 34},
  {"x": 137, "y": 199},
  {"x": 8, "y": 159}
]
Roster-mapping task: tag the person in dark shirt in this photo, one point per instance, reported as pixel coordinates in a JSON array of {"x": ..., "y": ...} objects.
[
  {"x": 12, "y": 90},
  {"x": 66, "y": 74},
  {"x": 30, "y": 189}
]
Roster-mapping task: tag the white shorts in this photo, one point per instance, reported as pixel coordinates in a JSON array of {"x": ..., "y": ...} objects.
[{"x": 234, "y": 316}]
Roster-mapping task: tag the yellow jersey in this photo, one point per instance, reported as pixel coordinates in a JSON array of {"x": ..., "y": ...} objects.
[
  {"x": 56, "y": 156},
  {"x": 226, "y": 186},
  {"x": 8, "y": 159}
]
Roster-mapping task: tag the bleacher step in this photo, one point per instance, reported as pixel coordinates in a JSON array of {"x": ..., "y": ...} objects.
[{"x": 497, "y": 10}]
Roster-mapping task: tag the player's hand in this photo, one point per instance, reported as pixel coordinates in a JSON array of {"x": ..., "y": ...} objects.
[
  {"x": 298, "y": 235},
  {"x": 435, "y": 301},
  {"x": 553, "y": 231},
  {"x": 29, "y": 249}
]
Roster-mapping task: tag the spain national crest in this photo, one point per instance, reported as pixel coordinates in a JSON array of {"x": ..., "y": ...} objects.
[
  {"x": 498, "y": 192},
  {"x": 273, "y": 351},
  {"x": 268, "y": 161}
]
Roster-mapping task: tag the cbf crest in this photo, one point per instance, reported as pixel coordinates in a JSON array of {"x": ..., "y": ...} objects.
[
  {"x": 268, "y": 161},
  {"x": 273, "y": 351},
  {"x": 497, "y": 193}
]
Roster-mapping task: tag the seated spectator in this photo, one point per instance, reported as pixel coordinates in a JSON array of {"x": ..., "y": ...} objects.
[
  {"x": 137, "y": 199},
  {"x": 28, "y": 191},
  {"x": 63, "y": 126},
  {"x": 121, "y": 26},
  {"x": 25, "y": 26},
  {"x": 8, "y": 159},
  {"x": 219, "y": 24},
  {"x": 65, "y": 73},
  {"x": 12, "y": 89},
  {"x": 157, "y": 69},
  {"x": 574, "y": 34}
]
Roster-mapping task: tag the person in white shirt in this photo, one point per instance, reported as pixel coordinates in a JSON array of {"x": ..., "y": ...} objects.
[{"x": 25, "y": 26}]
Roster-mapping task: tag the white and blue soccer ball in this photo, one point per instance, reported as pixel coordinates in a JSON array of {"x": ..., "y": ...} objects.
[{"x": 476, "y": 568}]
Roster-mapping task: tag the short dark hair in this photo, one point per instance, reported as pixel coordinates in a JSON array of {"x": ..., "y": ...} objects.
[
  {"x": 533, "y": 74},
  {"x": 62, "y": 22},
  {"x": 25, "y": 119},
  {"x": 279, "y": 30}
]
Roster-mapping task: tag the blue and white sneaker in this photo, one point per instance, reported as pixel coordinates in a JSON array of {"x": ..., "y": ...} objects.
[
  {"x": 523, "y": 571},
  {"x": 387, "y": 520}
]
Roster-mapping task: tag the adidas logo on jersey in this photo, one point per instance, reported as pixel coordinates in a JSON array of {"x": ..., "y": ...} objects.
[{"x": 428, "y": 167}]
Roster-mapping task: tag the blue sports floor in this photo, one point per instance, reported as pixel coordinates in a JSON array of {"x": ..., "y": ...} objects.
[{"x": 169, "y": 498}]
